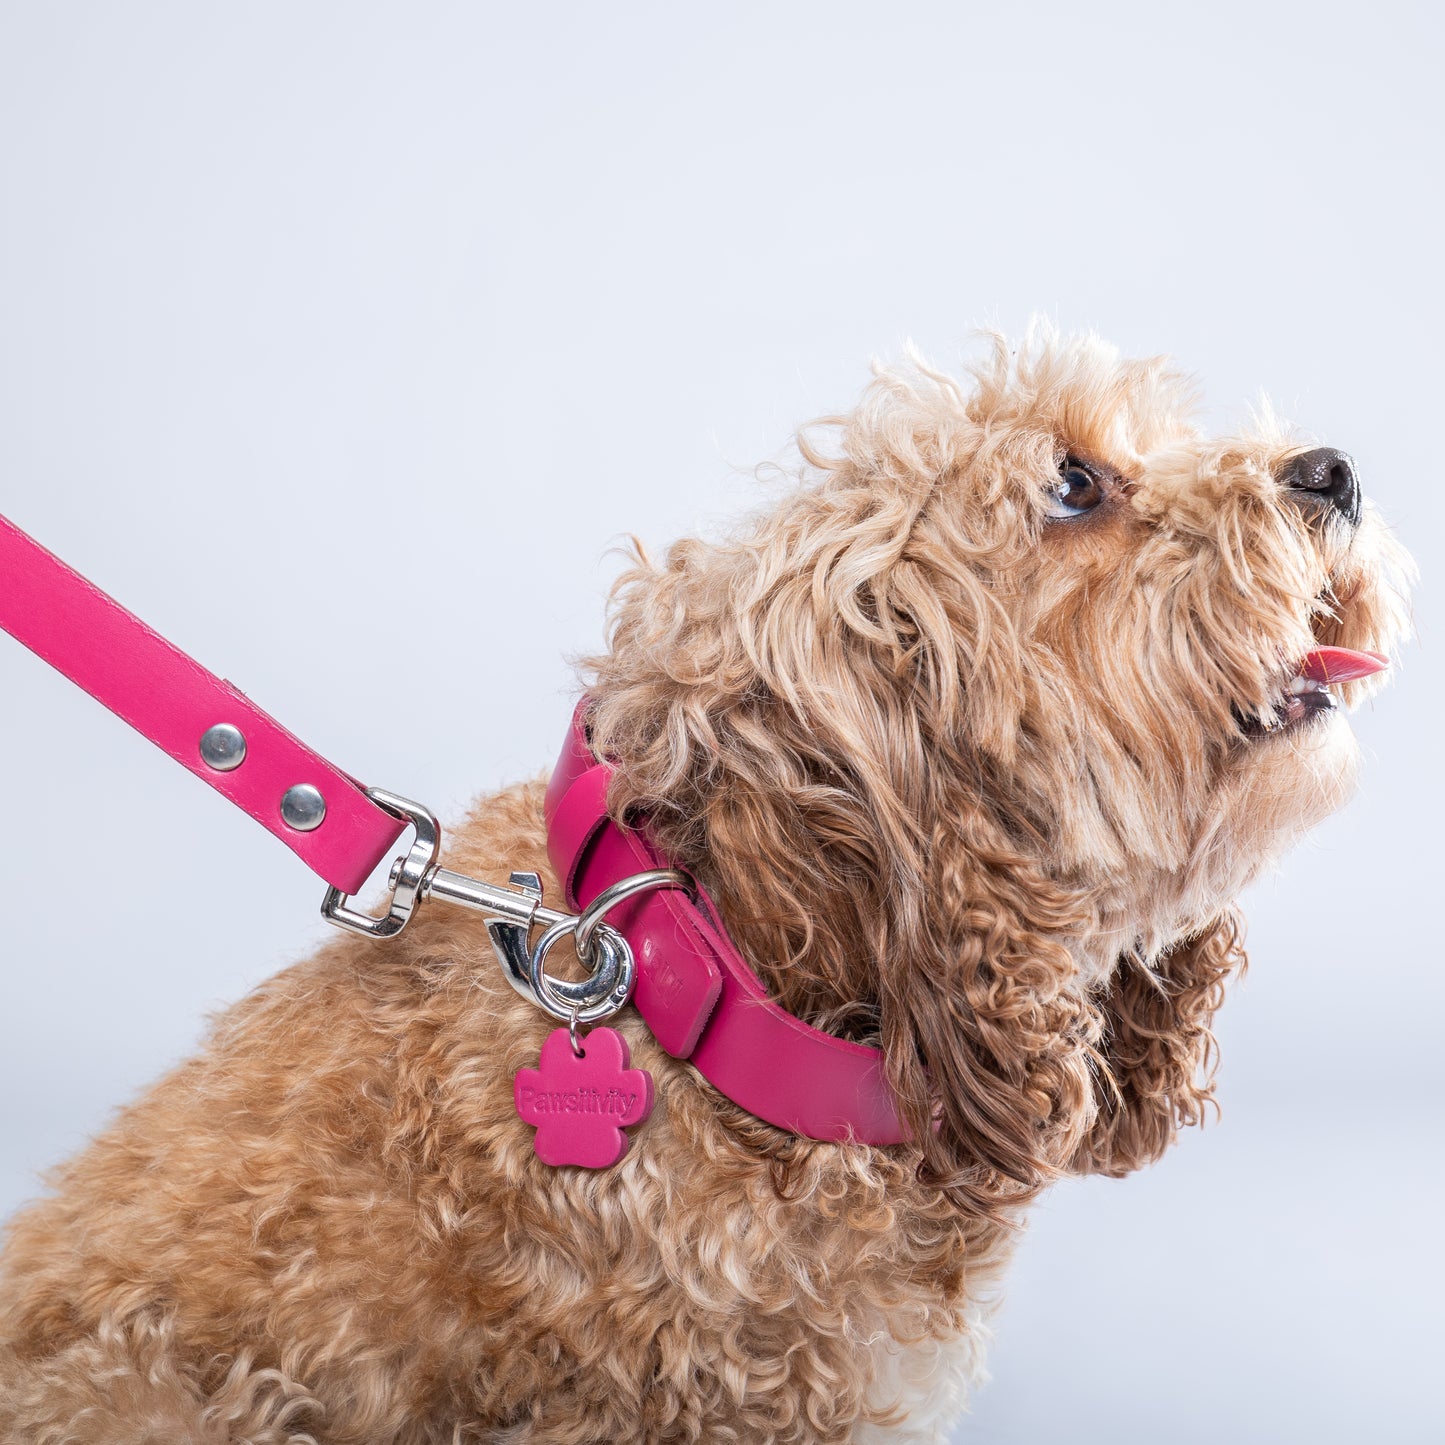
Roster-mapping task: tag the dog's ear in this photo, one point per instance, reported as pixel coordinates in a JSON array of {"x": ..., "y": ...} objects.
[
  {"x": 1158, "y": 1050},
  {"x": 990, "y": 1041}
]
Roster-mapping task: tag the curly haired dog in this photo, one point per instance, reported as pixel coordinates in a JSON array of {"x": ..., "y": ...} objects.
[{"x": 975, "y": 737}]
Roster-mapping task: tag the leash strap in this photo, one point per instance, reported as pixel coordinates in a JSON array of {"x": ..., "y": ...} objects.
[{"x": 203, "y": 722}]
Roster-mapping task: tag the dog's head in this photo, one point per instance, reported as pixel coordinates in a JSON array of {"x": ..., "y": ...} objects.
[{"x": 976, "y": 736}]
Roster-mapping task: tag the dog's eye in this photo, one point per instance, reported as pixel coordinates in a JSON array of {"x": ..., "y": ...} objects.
[{"x": 1076, "y": 491}]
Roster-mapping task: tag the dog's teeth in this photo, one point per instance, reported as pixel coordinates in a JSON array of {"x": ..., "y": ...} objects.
[{"x": 1300, "y": 685}]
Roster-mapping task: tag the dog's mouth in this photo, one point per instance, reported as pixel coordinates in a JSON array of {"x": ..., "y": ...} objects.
[{"x": 1307, "y": 696}]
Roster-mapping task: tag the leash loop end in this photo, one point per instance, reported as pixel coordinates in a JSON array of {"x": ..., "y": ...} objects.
[{"x": 408, "y": 875}]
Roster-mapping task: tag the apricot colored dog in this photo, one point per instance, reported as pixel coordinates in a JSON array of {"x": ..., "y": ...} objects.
[{"x": 975, "y": 737}]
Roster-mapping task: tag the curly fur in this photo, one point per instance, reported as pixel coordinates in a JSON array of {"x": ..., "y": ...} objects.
[{"x": 964, "y": 781}]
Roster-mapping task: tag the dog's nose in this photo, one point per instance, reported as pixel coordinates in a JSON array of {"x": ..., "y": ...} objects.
[{"x": 1327, "y": 475}]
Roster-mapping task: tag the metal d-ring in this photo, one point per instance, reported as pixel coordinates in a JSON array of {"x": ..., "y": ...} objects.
[
  {"x": 619, "y": 892},
  {"x": 595, "y": 998}
]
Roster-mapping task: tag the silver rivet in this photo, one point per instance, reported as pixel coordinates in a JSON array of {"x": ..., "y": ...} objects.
[
  {"x": 223, "y": 747},
  {"x": 302, "y": 807}
]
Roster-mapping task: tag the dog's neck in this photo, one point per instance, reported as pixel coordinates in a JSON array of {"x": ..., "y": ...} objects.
[{"x": 818, "y": 927}]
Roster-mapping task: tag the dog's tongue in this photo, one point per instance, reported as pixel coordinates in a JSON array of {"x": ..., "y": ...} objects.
[{"x": 1341, "y": 664}]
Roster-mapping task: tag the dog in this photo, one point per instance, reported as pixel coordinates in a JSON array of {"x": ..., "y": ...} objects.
[{"x": 973, "y": 739}]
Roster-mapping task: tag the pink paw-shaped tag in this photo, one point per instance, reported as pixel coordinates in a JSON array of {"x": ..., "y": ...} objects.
[{"x": 581, "y": 1104}]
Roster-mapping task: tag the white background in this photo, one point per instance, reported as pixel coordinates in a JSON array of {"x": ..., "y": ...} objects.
[{"x": 341, "y": 342}]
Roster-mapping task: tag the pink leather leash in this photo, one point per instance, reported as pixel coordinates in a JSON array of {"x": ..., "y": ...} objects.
[
  {"x": 334, "y": 828},
  {"x": 694, "y": 990}
]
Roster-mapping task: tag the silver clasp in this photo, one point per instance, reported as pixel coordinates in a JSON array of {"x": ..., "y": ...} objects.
[
  {"x": 408, "y": 874},
  {"x": 516, "y": 910}
]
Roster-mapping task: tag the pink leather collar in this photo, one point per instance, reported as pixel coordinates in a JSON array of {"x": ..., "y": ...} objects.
[{"x": 697, "y": 995}]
